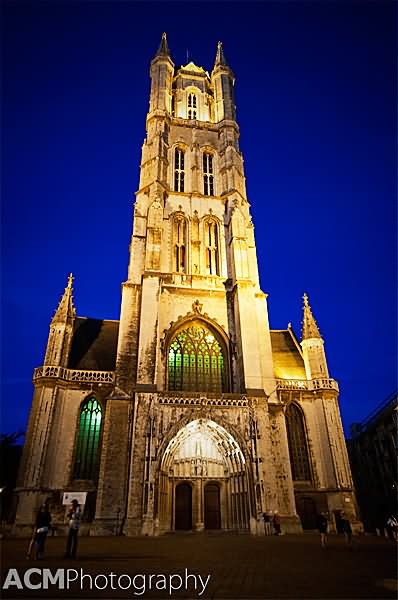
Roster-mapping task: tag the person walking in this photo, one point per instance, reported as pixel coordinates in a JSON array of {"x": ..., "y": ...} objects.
[
  {"x": 42, "y": 526},
  {"x": 74, "y": 516},
  {"x": 322, "y": 525}
]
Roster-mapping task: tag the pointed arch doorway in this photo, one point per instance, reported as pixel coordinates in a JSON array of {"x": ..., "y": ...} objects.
[{"x": 203, "y": 481}]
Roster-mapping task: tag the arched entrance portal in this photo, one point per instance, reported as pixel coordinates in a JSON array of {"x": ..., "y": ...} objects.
[
  {"x": 183, "y": 510},
  {"x": 212, "y": 506},
  {"x": 203, "y": 480}
]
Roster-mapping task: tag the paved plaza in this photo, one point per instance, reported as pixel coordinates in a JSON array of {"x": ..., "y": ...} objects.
[{"x": 240, "y": 566}]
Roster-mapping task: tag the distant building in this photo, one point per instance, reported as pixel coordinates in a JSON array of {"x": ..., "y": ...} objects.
[
  {"x": 373, "y": 455},
  {"x": 189, "y": 412}
]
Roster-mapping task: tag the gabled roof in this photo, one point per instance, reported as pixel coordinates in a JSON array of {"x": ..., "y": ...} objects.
[
  {"x": 94, "y": 345},
  {"x": 286, "y": 354},
  {"x": 192, "y": 67}
]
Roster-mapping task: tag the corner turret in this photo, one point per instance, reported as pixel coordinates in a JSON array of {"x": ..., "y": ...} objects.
[
  {"x": 223, "y": 81},
  {"x": 162, "y": 70},
  {"x": 61, "y": 329},
  {"x": 312, "y": 345}
]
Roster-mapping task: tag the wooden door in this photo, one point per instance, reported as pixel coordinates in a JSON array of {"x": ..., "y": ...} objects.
[
  {"x": 183, "y": 506},
  {"x": 212, "y": 506}
]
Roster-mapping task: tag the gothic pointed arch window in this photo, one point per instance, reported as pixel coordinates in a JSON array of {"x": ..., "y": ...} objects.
[
  {"x": 192, "y": 106},
  {"x": 211, "y": 233},
  {"x": 208, "y": 174},
  {"x": 297, "y": 439},
  {"x": 88, "y": 439},
  {"x": 179, "y": 243},
  {"x": 179, "y": 170},
  {"x": 197, "y": 361}
]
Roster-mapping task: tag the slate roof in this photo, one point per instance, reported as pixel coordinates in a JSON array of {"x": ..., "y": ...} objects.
[
  {"x": 94, "y": 345},
  {"x": 287, "y": 357}
]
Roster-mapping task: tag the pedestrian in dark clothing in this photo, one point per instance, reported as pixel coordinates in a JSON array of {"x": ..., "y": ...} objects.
[
  {"x": 267, "y": 524},
  {"x": 322, "y": 525},
  {"x": 74, "y": 516},
  {"x": 42, "y": 526},
  {"x": 346, "y": 529}
]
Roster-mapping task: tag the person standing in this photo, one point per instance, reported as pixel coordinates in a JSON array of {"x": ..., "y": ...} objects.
[
  {"x": 346, "y": 529},
  {"x": 42, "y": 526},
  {"x": 74, "y": 516},
  {"x": 322, "y": 525},
  {"x": 267, "y": 524},
  {"x": 276, "y": 522}
]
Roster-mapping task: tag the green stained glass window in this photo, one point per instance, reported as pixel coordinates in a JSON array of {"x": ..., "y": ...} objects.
[
  {"x": 298, "y": 449},
  {"x": 196, "y": 362},
  {"x": 88, "y": 437}
]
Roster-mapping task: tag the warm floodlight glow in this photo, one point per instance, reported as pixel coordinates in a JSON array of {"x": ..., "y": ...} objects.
[{"x": 204, "y": 439}]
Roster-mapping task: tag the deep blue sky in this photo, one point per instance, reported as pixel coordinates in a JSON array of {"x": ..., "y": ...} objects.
[{"x": 316, "y": 103}]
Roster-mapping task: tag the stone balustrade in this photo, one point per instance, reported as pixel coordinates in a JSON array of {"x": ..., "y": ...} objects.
[
  {"x": 200, "y": 399},
  {"x": 303, "y": 384},
  {"x": 80, "y": 375},
  {"x": 74, "y": 375}
]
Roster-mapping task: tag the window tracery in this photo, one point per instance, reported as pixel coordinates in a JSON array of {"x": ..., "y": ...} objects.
[
  {"x": 192, "y": 106},
  {"x": 208, "y": 175},
  {"x": 180, "y": 243},
  {"x": 298, "y": 449},
  {"x": 179, "y": 170},
  {"x": 211, "y": 247},
  {"x": 196, "y": 361},
  {"x": 88, "y": 437}
]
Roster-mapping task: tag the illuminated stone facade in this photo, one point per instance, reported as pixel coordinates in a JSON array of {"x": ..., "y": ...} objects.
[{"x": 188, "y": 413}]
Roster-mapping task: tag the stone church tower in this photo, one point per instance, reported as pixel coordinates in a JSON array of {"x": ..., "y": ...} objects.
[{"x": 188, "y": 413}]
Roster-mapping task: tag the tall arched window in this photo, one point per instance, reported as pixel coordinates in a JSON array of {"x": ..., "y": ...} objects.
[
  {"x": 208, "y": 181},
  {"x": 297, "y": 444},
  {"x": 179, "y": 237},
  {"x": 211, "y": 247},
  {"x": 179, "y": 170},
  {"x": 88, "y": 437},
  {"x": 196, "y": 361},
  {"x": 192, "y": 106}
]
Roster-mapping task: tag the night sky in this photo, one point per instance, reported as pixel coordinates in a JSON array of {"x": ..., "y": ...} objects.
[{"x": 316, "y": 104}]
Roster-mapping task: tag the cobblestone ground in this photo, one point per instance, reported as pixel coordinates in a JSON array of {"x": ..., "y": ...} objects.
[{"x": 240, "y": 567}]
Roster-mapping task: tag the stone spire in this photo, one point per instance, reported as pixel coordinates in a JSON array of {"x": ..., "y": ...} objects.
[
  {"x": 220, "y": 57},
  {"x": 163, "y": 49},
  {"x": 309, "y": 328},
  {"x": 66, "y": 307}
]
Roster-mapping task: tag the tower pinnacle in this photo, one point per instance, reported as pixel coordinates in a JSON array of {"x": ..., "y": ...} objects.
[
  {"x": 309, "y": 328},
  {"x": 66, "y": 307},
  {"x": 163, "y": 49},
  {"x": 220, "y": 57}
]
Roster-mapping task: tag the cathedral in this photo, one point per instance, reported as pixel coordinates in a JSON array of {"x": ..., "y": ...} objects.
[{"x": 189, "y": 413}]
